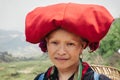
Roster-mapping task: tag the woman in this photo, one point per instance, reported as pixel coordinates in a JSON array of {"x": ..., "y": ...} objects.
[{"x": 63, "y": 31}]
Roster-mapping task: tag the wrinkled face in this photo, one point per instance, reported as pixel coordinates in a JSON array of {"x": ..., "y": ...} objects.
[{"x": 64, "y": 48}]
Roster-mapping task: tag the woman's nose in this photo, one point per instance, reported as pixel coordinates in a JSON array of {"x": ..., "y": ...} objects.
[{"x": 61, "y": 50}]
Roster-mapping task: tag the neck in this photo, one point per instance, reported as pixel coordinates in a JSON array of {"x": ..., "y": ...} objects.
[{"x": 65, "y": 74}]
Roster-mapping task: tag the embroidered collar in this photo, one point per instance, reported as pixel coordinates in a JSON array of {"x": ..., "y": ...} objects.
[{"x": 52, "y": 73}]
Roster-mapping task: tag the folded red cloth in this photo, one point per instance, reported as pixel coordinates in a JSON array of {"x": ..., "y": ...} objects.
[{"x": 89, "y": 21}]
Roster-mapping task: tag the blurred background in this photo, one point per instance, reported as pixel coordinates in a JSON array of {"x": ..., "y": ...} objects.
[{"x": 20, "y": 60}]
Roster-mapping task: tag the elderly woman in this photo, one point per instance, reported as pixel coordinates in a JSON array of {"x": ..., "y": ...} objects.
[{"x": 64, "y": 31}]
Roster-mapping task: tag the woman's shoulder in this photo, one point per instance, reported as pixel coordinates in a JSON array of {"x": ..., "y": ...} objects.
[
  {"x": 44, "y": 75},
  {"x": 39, "y": 76},
  {"x": 95, "y": 76},
  {"x": 92, "y": 75},
  {"x": 103, "y": 77}
]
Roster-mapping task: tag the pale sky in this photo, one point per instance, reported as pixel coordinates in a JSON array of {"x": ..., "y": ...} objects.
[{"x": 13, "y": 12}]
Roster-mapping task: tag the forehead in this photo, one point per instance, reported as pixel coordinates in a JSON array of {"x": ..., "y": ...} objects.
[{"x": 61, "y": 33}]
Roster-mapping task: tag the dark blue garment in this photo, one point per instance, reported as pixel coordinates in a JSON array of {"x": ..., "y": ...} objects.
[{"x": 89, "y": 75}]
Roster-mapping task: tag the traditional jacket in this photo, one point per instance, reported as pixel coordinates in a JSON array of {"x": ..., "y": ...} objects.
[{"x": 87, "y": 74}]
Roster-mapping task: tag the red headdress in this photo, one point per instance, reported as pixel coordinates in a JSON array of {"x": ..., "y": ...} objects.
[{"x": 89, "y": 21}]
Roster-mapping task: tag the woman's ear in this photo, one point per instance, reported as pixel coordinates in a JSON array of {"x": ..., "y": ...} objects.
[
  {"x": 46, "y": 39},
  {"x": 84, "y": 44}
]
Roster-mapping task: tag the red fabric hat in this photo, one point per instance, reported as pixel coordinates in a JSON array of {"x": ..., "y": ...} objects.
[{"x": 89, "y": 21}]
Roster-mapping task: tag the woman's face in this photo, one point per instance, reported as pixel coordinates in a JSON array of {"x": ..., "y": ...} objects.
[{"x": 64, "y": 48}]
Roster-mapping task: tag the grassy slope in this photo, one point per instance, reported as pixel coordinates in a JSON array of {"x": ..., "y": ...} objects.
[
  {"x": 27, "y": 70},
  {"x": 22, "y": 70}
]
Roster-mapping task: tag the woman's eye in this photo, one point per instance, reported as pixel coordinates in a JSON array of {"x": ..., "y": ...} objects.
[
  {"x": 70, "y": 44},
  {"x": 54, "y": 42}
]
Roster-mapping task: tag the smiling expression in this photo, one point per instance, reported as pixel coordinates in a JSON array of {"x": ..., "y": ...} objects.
[{"x": 64, "y": 48}]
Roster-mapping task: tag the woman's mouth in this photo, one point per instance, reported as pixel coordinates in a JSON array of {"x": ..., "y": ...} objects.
[{"x": 61, "y": 59}]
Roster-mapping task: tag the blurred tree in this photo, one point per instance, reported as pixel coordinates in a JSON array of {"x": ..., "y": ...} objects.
[
  {"x": 6, "y": 57},
  {"x": 111, "y": 42}
]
